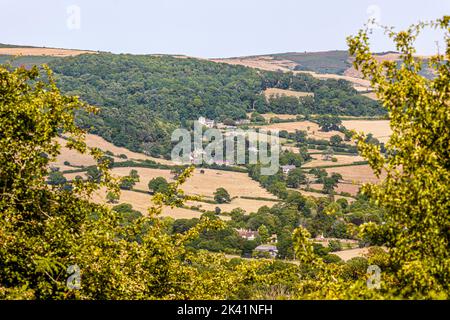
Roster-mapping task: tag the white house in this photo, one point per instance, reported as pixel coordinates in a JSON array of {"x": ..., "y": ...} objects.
[
  {"x": 287, "y": 168},
  {"x": 206, "y": 122},
  {"x": 197, "y": 154}
]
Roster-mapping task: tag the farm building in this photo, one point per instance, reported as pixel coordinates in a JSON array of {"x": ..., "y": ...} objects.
[{"x": 270, "y": 249}]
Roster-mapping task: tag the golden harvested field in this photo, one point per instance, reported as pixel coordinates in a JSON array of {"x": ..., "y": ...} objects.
[
  {"x": 314, "y": 151},
  {"x": 348, "y": 187},
  {"x": 72, "y": 156},
  {"x": 342, "y": 159},
  {"x": 351, "y": 253},
  {"x": 146, "y": 174},
  {"x": 290, "y": 148},
  {"x": 93, "y": 140},
  {"x": 353, "y": 178},
  {"x": 351, "y": 188},
  {"x": 203, "y": 184},
  {"x": 310, "y": 127},
  {"x": 379, "y": 128},
  {"x": 358, "y": 83},
  {"x": 142, "y": 202},
  {"x": 53, "y": 52},
  {"x": 237, "y": 184},
  {"x": 356, "y": 174},
  {"x": 371, "y": 95},
  {"x": 77, "y": 159},
  {"x": 290, "y": 93}
]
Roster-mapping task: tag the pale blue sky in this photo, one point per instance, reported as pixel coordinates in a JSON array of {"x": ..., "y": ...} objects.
[{"x": 210, "y": 28}]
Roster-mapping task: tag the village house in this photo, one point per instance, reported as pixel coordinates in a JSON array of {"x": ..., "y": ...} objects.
[
  {"x": 196, "y": 155},
  {"x": 287, "y": 168},
  {"x": 206, "y": 122},
  {"x": 270, "y": 249},
  {"x": 247, "y": 234}
]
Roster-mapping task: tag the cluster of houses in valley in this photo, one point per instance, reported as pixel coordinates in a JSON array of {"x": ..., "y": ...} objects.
[
  {"x": 198, "y": 155},
  {"x": 211, "y": 123}
]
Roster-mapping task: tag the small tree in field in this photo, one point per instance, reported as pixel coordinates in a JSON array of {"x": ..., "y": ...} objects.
[
  {"x": 127, "y": 183},
  {"x": 329, "y": 123},
  {"x": 295, "y": 178},
  {"x": 112, "y": 197},
  {"x": 134, "y": 175},
  {"x": 335, "y": 140},
  {"x": 328, "y": 154},
  {"x": 158, "y": 184},
  {"x": 56, "y": 178},
  {"x": 222, "y": 196},
  {"x": 94, "y": 174}
]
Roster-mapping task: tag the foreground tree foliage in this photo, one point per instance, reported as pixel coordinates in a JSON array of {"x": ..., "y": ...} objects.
[{"x": 416, "y": 192}]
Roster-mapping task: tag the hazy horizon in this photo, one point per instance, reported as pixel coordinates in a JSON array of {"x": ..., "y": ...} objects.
[{"x": 207, "y": 29}]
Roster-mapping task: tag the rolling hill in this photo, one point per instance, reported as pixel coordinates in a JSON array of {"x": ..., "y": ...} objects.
[
  {"x": 144, "y": 97},
  {"x": 28, "y": 56},
  {"x": 335, "y": 64}
]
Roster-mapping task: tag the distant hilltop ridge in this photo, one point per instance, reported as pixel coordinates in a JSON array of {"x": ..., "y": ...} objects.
[
  {"x": 332, "y": 64},
  {"x": 18, "y": 50}
]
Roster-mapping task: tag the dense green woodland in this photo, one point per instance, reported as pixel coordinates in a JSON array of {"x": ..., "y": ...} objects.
[{"x": 143, "y": 98}]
